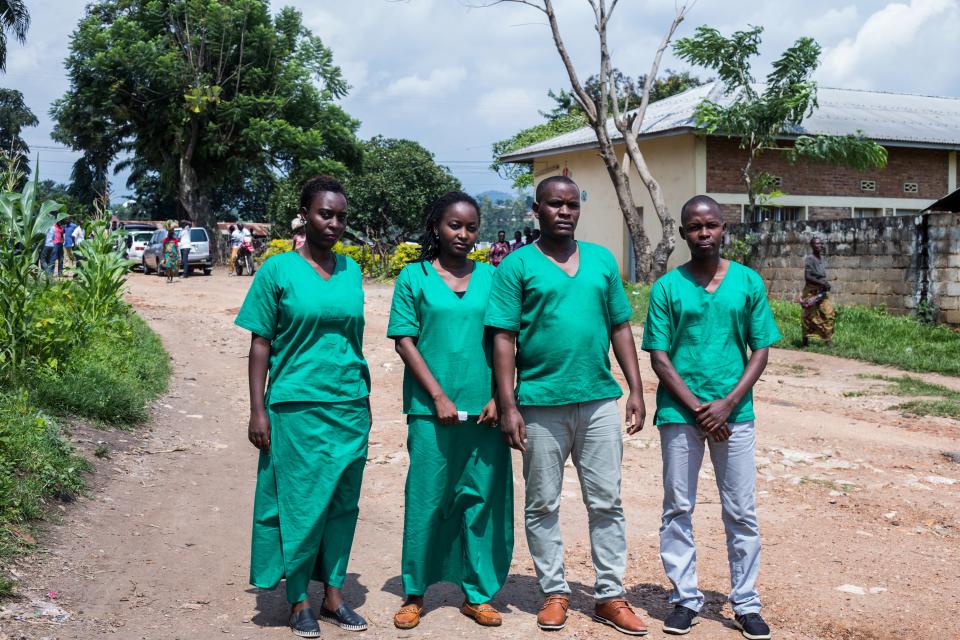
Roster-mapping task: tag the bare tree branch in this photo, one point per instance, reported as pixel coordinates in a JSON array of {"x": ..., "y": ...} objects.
[{"x": 681, "y": 13}]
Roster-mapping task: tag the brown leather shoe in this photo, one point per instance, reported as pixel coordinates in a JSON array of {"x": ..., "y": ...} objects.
[
  {"x": 553, "y": 613},
  {"x": 619, "y": 615},
  {"x": 483, "y": 614},
  {"x": 407, "y": 617}
]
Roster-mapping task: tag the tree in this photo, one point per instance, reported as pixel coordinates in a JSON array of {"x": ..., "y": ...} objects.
[
  {"x": 14, "y": 116},
  {"x": 608, "y": 105},
  {"x": 508, "y": 214},
  {"x": 761, "y": 117},
  {"x": 202, "y": 96},
  {"x": 15, "y": 17},
  {"x": 567, "y": 115},
  {"x": 389, "y": 198}
]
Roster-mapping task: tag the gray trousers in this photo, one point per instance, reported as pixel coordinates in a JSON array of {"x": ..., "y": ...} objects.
[
  {"x": 682, "y": 447},
  {"x": 590, "y": 433}
]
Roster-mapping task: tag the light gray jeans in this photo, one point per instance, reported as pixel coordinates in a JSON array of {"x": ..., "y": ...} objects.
[
  {"x": 590, "y": 432},
  {"x": 682, "y": 447}
]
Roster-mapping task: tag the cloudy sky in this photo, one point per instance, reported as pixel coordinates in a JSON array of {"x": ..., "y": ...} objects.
[{"x": 456, "y": 79}]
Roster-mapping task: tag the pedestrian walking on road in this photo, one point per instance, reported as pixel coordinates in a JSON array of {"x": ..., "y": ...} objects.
[
  {"x": 709, "y": 329},
  {"x": 819, "y": 318},
  {"x": 311, "y": 424},
  {"x": 171, "y": 255},
  {"x": 499, "y": 249},
  {"x": 186, "y": 243},
  {"x": 555, "y": 308},
  {"x": 458, "y": 513}
]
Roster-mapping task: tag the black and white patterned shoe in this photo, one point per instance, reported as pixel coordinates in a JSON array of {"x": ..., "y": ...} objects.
[
  {"x": 304, "y": 624},
  {"x": 344, "y": 617}
]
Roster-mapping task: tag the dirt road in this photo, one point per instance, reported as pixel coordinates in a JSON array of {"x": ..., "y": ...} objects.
[{"x": 858, "y": 509}]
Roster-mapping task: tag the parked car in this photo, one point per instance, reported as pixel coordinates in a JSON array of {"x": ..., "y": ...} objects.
[
  {"x": 199, "y": 258},
  {"x": 138, "y": 243}
]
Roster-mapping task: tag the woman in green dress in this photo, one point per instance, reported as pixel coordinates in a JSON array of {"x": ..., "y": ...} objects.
[
  {"x": 458, "y": 518},
  {"x": 311, "y": 424}
]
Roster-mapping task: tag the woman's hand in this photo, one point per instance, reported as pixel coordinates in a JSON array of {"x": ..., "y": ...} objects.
[
  {"x": 259, "y": 430},
  {"x": 489, "y": 415},
  {"x": 446, "y": 410}
]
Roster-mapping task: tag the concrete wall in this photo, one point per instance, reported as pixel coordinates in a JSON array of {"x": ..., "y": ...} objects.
[
  {"x": 672, "y": 162},
  {"x": 894, "y": 262}
]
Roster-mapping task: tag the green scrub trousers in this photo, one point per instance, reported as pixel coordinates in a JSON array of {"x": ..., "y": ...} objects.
[
  {"x": 458, "y": 518},
  {"x": 308, "y": 489}
]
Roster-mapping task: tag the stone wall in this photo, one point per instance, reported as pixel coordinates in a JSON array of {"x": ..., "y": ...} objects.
[{"x": 894, "y": 262}]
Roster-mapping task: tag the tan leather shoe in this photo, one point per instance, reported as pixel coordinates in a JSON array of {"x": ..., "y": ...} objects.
[
  {"x": 407, "y": 617},
  {"x": 483, "y": 614},
  {"x": 619, "y": 615},
  {"x": 553, "y": 613}
]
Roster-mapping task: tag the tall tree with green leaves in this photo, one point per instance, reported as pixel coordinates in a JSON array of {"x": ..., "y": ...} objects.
[
  {"x": 202, "y": 94},
  {"x": 763, "y": 116},
  {"x": 15, "y": 116},
  {"x": 389, "y": 198},
  {"x": 15, "y": 17}
]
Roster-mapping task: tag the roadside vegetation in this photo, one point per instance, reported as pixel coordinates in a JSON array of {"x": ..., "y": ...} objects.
[
  {"x": 926, "y": 399},
  {"x": 70, "y": 348},
  {"x": 862, "y": 333}
]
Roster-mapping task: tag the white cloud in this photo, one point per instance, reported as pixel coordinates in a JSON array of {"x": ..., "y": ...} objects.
[
  {"x": 516, "y": 108},
  {"x": 885, "y": 37},
  {"x": 438, "y": 82},
  {"x": 832, "y": 24}
]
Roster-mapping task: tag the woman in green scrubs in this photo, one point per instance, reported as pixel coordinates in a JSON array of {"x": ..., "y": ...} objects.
[
  {"x": 311, "y": 424},
  {"x": 458, "y": 519}
]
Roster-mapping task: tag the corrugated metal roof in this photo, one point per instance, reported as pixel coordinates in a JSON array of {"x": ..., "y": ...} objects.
[{"x": 896, "y": 118}]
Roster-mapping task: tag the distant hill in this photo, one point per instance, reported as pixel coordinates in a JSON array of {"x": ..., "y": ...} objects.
[{"x": 495, "y": 195}]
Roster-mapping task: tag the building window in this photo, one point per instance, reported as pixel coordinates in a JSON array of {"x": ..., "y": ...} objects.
[
  {"x": 776, "y": 181},
  {"x": 867, "y": 213},
  {"x": 911, "y": 187},
  {"x": 868, "y": 185},
  {"x": 777, "y": 214}
]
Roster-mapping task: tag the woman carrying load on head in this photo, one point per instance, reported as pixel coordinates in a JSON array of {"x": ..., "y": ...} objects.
[
  {"x": 458, "y": 517},
  {"x": 311, "y": 424}
]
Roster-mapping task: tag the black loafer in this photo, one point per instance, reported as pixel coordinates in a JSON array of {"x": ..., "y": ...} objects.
[
  {"x": 304, "y": 624},
  {"x": 344, "y": 617}
]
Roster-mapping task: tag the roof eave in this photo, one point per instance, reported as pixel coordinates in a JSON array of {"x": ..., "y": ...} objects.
[{"x": 586, "y": 146}]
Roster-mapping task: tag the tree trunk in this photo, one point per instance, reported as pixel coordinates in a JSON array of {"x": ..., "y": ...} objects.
[{"x": 196, "y": 204}]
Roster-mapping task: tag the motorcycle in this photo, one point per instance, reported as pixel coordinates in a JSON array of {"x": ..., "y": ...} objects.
[{"x": 245, "y": 259}]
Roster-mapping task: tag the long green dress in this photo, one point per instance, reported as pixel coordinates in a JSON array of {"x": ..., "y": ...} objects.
[
  {"x": 458, "y": 517},
  {"x": 308, "y": 484}
]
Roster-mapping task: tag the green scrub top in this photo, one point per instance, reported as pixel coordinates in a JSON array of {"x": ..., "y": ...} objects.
[
  {"x": 563, "y": 323},
  {"x": 449, "y": 333},
  {"x": 706, "y": 336},
  {"x": 315, "y": 329}
]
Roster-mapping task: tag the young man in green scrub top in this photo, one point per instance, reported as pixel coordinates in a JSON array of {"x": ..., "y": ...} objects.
[
  {"x": 305, "y": 312},
  {"x": 555, "y": 307},
  {"x": 704, "y": 318},
  {"x": 458, "y": 510}
]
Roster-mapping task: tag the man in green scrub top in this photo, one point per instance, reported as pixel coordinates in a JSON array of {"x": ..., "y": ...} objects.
[
  {"x": 555, "y": 307},
  {"x": 704, "y": 318}
]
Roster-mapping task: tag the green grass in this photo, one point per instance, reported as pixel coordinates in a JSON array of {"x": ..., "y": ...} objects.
[
  {"x": 37, "y": 466},
  {"x": 112, "y": 378},
  {"x": 862, "y": 333},
  {"x": 944, "y": 408},
  {"x": 940, "y": 401}
]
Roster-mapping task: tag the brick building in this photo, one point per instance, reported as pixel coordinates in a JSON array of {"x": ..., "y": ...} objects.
[{"x": 921, "y": 135}]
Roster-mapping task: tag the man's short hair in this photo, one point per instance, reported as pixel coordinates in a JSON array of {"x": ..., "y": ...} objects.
[
  {"x": 546, "y": 182},
  {"x": 699, "y": 201}
]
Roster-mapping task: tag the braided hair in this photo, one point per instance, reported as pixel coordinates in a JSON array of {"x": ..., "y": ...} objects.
[{"x": 430, "y": 241}]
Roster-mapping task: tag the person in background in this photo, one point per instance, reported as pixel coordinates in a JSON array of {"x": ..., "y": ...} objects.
[
  {"x": 299, "y": 234},
  {"x": 818, "y": 315},
  {"x": 68, "y": 243},
  {"x": 517, "y": 240},
  {"x": 58, "y": 246},
  {"x": 499, "y": 249},
  {"x": 709, "y": 329},
  {"x": 171, "y": 255},
  {"x": 185, "y": 245},
  {"x": 46, "y": 256},
  {"x": 236, "y": 239},
  {"x": 78, "y": 235},
  {"x": 527, "y": 235}
]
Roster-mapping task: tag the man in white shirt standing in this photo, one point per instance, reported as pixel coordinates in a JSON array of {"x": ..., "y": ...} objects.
[
  {"x": 185, "y": 245},
  {"x": 236, "y": 239}
]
